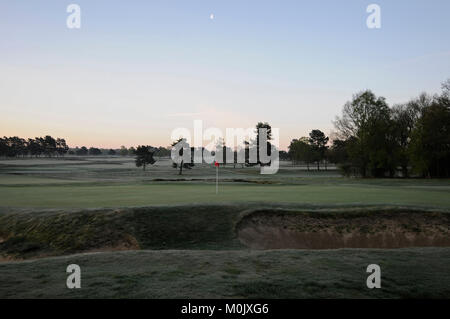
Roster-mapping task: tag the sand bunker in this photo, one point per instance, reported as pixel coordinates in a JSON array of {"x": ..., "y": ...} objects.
[{"x": 332, "y": 230}]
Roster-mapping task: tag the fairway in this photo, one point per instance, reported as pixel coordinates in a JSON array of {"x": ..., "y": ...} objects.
[
  {"x": 115, "y": 182},
  {"x": 126, "y": 195}
]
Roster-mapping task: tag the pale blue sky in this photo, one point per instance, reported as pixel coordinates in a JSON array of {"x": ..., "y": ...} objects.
[{"x": 138, "y": 69}]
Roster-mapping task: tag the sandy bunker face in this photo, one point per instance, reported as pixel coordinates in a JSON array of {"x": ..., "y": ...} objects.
[{"x": 331, "y": 230}]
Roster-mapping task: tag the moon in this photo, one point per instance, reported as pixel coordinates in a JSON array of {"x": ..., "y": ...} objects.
[{"x": 211, "y": 16}]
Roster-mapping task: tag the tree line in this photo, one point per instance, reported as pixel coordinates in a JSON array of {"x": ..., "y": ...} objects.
[
  {"x": 371, "y": 139},
  {"x": 50, "y": 147},
  {"x": 375, "y": 140},
  {"x": 35, "y": 147}
]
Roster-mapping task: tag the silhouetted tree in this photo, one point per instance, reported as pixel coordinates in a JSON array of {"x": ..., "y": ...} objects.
[
  {"x": 123, "y": 151},
  {"x": 366, "y": 120},
  {"x": 430, "y": 139},
  {"x": 301, "y": 151},
  {"x": 144, "y": 156},
  {"x": 318, "y": 141},
  {"x": 268, "y": 138},
  {"x": 183, "y": 145},
  {"x": 95, "y": 151},
  {"x": 83, "y": 151},
  {"x": 61, "y": 146}
]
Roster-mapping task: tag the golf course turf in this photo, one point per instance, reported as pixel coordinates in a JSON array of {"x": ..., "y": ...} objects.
[{"x": 155, "y": 234}]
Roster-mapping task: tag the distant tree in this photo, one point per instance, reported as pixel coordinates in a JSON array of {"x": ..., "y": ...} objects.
[
  {"x": 183, "y": 145},
  {"x": 83, "y": 151},
  {"x": 163, "y": 152},
  {"x": 123, "y": 151},
  {"x": 301, "y": 151},
  {"x": 3, "y": 147},
  {"x": 318, "y": 141},
  {"x": 221, "y": 151},
  {"x": 15, "y": 146},
  {"x": 268, "y": 138},
  {"x": 33, "y": 147},
  {"x": 284, "y": 156},
  {"x": 111, "y": 152},
  {"x": 144, "y": 156},
  {"x": 61, "y": 146},
  {"x": 49, "y": 145},
  {"x": 131, "y": 151},
  {"x": 95, "y": 151}
]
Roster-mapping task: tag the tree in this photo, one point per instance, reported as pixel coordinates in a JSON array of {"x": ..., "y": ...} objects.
[
  {"x": 15, "y": 146},
  {"x": 123, "y": 151},
  {"x": 446, "y": 89},
  {"x": 318, "y": 142},
  {"x": 131, "y": 151},
  {"x": 163, "y": 152},
  {"x": 48, "y": 144},
  {"x": 284, "y": 156},
  {"x": 83, "y": 151},
  {"x": 95, "y": 151},
  {"x": 61, "y": 146},
  {"x": 144, "y": 156},
  {"x": 33, "y": 147},
  {"x": 3, "y": 147},
  {"x": 366, "y": 120},
  {"x": 404, "y": 120},
  {"x": 264, "y": 126},
  {"x": 183, "y": 145},
  {"x": 301, "y": 151},
  {"x": 111, "y": 152},
  {"x": 430, "y": 139}
]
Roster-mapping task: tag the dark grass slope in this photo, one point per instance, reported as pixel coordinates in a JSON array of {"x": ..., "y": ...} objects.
[{"x": 37, "y": 234}]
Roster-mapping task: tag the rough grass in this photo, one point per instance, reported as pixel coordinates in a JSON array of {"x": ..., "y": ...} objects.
[
  {"x": 34, "y": 234},
  {"x": 405, "y": 273}
]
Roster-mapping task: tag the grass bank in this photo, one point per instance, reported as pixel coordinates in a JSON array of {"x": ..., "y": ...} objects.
[
  {"x": 406, "y": 273},
  {"x": 32, "y": 234}
]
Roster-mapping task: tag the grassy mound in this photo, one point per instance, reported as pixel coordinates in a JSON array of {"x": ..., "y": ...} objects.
[
  {"x": 37, "y": 234},
  {"x": 31, "y": 234}
]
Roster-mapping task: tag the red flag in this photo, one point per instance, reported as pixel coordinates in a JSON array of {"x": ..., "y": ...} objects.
[{"x": 216, "y": 164}]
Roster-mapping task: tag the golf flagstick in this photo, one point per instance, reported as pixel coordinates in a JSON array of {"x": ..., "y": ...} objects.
[{"x": 216, "y": 164}]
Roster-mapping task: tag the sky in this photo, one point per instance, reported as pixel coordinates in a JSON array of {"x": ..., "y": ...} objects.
[{"x": 136, "y": 70}]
